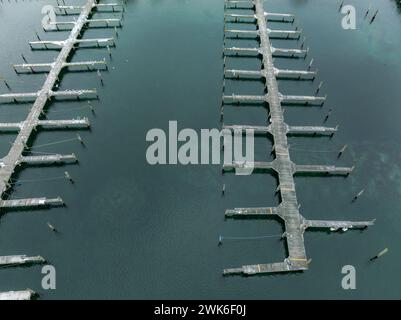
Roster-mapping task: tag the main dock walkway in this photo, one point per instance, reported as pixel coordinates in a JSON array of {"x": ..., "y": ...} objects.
[
  {"x": 288, "y": 210},
  {"x": 20, "y": 152}
]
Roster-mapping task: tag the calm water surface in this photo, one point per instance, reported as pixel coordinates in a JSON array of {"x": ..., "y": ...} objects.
[{"x": 131, "y": 230}]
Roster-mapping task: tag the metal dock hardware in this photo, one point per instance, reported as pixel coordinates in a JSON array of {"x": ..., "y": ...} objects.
[
  {"x": 288, "y": 210},
  {"x": 42, "y": 98}
]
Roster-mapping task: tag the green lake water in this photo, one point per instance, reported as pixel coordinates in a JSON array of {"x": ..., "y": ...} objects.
[{"x": 132, "y": 230}]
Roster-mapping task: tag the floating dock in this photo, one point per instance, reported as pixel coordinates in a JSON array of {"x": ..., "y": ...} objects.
[
  {"x": 288, "y": 210},
  {"x": 20, "y": 152},
  {"x": 34, "y": 121},
  {"x": 18, "y": 260}
]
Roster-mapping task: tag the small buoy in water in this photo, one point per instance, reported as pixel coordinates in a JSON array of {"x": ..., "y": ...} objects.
[
  {"x": 52, "y": 228},
  {"x": 384, "y": 251}
]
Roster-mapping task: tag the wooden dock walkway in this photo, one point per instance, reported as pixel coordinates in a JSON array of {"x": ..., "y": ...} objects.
[
  {"x": 285, "y": 169},
  {"x": 19, "y": 260},
  {"x": 41, "y": 98},
  {"x": 20, "y": 151}
]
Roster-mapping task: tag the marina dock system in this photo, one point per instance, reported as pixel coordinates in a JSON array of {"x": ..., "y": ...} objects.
[
  {"x": 288, "y": 210},
  {"x": 19, "y": 153}
]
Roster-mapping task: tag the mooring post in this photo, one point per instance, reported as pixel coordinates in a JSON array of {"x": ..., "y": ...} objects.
[
  {"x": 92, "y": 109},
  {"x": 80, "y": 139},
  {"x": 23, "y": 58},
  {"x": 341, "y": 5},
  {"x": 342, "y": 150},
  {"x": 327, "y": 115},
  {"x": 367, "y": 12},
  {"x": 358, "y": 195},
  {"x": 99, "y": 74},
  {"x": 319, "y": 87},
  {"x": 5, "y": 82},
  {"x": 310, "y": 64},
  {"x": 303, "y": 42},
  {"x": 68, "y": 177},
  {"x": 52, "y": 228},
  {"x": 374, "y": 16},
  {"x": 381, "y": 253}
]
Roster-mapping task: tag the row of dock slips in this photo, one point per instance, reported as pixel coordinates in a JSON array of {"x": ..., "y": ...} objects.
[
  {"x": 295, "y": 169},
  {"x": 83, "y": 123},
  {"x": 273, "y": 33},
  {"x": 288, "y": 209},
  {"x": 285, "y": 99},
  {"x": 252, "y": 18},
  {"x": 19, "y": 260},
  {"x": 90, "y": 23},
  {"x": 100, "y": 7},
  {"x": 27, "y": 294},
  {"x": 266, "y": 212},
  {"x": 276, "y": 52},
  {"x": 279, "y": 73},
  {"x": 72, "y": 66},
  {"x": 20, "y": 152},
  {"x": 62, "y": 94},
  {"x": 297, "y": 259},
  {"x": 78, "y": 43},
  {"x": 291, "y": 130}
]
